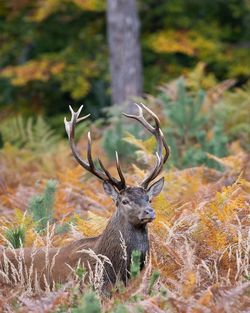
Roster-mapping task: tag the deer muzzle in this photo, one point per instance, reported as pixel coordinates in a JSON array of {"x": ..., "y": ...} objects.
[{"x": 148, "y": 215}]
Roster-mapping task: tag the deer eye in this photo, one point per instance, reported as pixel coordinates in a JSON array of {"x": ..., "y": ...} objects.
[{"x": 125, "y": 202}]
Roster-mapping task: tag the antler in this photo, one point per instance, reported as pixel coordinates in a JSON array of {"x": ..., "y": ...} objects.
[
  {"x": 102, "y": 174},
  {"x": 161, "y": 142}
]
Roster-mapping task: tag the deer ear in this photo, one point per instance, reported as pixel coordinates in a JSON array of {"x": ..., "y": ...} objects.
[
  {"x": 110, "y": 190},
  {"x": 156, "y": 188}
]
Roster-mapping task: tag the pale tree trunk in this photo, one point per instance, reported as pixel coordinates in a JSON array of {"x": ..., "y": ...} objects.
[{"x": 124, "y": 50}]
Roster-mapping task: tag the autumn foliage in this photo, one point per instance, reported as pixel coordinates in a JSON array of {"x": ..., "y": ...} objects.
[
  {"x": 54, "y": 53},
  {"x": 200, "y": 240}
]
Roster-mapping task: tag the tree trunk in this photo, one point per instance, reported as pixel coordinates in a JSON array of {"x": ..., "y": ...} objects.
[{"x": 124, "y": 49}]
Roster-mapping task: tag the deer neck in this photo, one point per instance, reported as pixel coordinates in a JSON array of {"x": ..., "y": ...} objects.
[
  {"x": 126, "y": 233},
  {"x": 118, "y": 241}
]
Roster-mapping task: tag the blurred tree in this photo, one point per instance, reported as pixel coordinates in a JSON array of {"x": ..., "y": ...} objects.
[
  {"x": 55, "y": 52},
  {"x": 124, "y": 49}
]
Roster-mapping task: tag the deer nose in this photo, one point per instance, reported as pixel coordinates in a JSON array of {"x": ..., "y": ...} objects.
[{"x": 150, "y": 212}]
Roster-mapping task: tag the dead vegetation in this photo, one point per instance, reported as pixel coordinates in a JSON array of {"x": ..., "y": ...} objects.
[{"x": 200, "y": 240}]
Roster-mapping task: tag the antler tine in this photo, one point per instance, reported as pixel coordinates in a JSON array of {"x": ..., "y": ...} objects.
[
  {"x": 89, "y": 152},
  {"x": 166, "y": 147},
  {"x": 155, "y": 117},
  {"x": 70, "y": 129},
  {"x": 119, "y": 184},
  {"x": 74, "y": 119},
  {"x": 161, "y": 142},
  {"x": 161, "y": 160},
  {"x": 104, "y": 169},
  {"x": 90, "y": 166},
  {"x": 140, "y": 118},
  {"x": 119, "y": 170}
]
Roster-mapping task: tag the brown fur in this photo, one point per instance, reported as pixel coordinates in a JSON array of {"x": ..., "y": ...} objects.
[{"x": 124, "y": 225}]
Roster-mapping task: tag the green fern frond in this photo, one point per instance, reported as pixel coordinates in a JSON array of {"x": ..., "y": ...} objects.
[
  {"x": 15, "y": 236},
  {"x": 31, "y": 134},
  {"x": 90, "y": 304},
  {"x": 41, "y": 206}
]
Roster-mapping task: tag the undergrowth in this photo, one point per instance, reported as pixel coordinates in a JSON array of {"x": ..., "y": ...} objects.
[
  {"x": 41, "y": 206},
  {"x": 200, "y": 240}
]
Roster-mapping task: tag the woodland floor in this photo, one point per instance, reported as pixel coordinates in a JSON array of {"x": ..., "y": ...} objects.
[{"x": 200, "y": 240}]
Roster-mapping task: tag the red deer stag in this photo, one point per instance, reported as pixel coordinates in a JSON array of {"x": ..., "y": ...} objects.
[{"x": 127, "y": 225}]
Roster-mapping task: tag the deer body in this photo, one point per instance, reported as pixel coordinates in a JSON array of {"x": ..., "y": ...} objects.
[
  {"x": 61, "y": 261},
  {"x": 125, "y": 232},
  {"x": 46, "y": 266}
]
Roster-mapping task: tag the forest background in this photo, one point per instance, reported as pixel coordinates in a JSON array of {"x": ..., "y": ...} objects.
[
  {"x": 196, "y": 70},
  {"x": 55, "y": 53}
]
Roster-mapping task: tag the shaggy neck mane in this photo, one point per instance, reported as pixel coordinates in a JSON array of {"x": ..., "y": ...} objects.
[{"x": 117, "y": 242}]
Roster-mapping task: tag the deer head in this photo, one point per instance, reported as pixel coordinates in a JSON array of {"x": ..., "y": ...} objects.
[{"x": 132, "y": 202}]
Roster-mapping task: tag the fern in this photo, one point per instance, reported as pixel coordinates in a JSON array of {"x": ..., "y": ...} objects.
[
  {"x": 153, "y": 279},
  {"x": 41, "y": 206},
  {"x": 233, "y": 112},
  {"x": 15, "y": 236},
  {"x": 89, "y": 304},
  {"x": 135, "y": 263},
  {"x": 31, "y": 134},
  {"x": 188, "y": 129}
]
